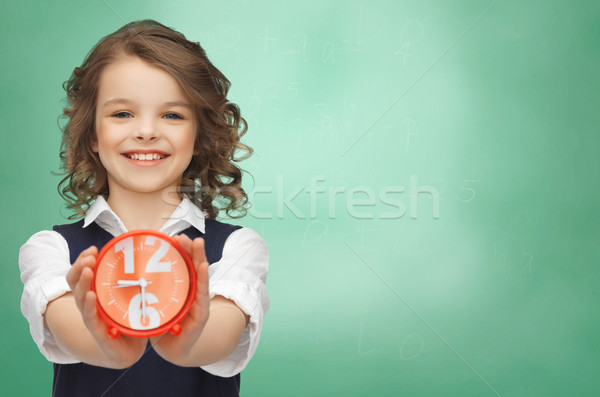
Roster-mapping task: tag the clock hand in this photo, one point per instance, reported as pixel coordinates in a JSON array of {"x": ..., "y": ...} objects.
[
  {"x": 129, "y": 283},
  {"x": 143, "y": 284}
]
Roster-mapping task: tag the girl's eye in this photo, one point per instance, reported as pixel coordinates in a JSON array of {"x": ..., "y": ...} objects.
[
  {"x": 122, "y": 115},
  {"x": 173, "y": 116}
]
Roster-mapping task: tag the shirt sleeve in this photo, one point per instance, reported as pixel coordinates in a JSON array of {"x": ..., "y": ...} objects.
[
  {"x": 240, "y": 276},
  {"x": 44, "y": 263}
]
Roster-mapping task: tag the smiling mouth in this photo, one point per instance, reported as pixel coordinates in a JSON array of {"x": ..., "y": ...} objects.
[{"x": 145, "y": 157}]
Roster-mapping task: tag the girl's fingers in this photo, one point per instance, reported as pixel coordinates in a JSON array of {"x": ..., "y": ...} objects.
[
  {"x": 202, "y": 273},
  {"x": 199, "y": 310},
  {"x": 89, "y": 309},
  {"x": 74, "y": 273},
  {"x": 198, "y": 253},
  {"x": 194, "y": 248},
  {"x": 185, "y": 242},
  {"x": 83, "y": 286},
  {"x": 86, "y": 258},
  {"x": 201, "y": 265}
]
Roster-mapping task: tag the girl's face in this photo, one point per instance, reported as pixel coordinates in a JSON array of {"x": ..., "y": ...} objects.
[{"x": 145, "y": 127}]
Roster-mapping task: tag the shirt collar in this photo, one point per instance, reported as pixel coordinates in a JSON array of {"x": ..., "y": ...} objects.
[{"x": 186, "y": 214}]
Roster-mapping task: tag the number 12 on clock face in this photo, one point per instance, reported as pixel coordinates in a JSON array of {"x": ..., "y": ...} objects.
[{"x": 145, "y": 283}]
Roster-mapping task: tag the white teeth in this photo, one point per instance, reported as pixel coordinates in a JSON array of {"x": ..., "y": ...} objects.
[{"x": 149, "y": 156}]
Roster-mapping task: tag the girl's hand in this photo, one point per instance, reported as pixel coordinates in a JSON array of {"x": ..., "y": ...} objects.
[
  {"x": 121, "y": 352},
  {"x": 177, "y": 348}
]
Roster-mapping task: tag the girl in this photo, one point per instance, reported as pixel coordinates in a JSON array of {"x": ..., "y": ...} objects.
[{"x": 149, "y": 144}]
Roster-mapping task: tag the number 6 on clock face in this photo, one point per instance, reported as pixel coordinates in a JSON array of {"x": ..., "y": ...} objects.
[
  {"x": 145, "y": 283},
  {"x": 136, "y": 316}
]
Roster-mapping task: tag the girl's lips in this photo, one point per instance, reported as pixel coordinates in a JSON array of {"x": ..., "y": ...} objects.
[
  {"x": 147, "y": 156},
  {"x": 145, "y": 151}
]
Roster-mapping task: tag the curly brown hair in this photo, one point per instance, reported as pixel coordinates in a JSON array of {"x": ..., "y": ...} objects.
[{"x": 212, "y": 180}]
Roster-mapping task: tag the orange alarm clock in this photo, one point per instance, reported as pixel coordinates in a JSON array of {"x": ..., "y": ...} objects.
[{"x": 145, "y": 284}]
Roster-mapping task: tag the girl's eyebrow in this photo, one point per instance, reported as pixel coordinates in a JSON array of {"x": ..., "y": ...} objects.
[
  {"x": 179, "y": 103},
  {"x": 128, "y": 102}
]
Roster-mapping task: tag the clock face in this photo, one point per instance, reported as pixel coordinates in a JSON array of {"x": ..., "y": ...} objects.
[{"x": 145, "y": 283}]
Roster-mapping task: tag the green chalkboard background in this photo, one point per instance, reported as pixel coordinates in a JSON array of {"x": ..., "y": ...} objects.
[{"x": 426, "y": 177}]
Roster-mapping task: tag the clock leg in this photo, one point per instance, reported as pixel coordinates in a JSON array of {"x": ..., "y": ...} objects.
[
  {"x": 175, "y": 329},
  {"x": 113, "y": 332}
]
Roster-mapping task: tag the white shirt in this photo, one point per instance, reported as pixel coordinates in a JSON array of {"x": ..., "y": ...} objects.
[{"x": 240, "y": 275}]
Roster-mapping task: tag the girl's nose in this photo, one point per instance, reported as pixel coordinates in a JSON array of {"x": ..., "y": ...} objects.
[
  {"x": 145, "y": 136},
  {"x": 146, "y": 131}
]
